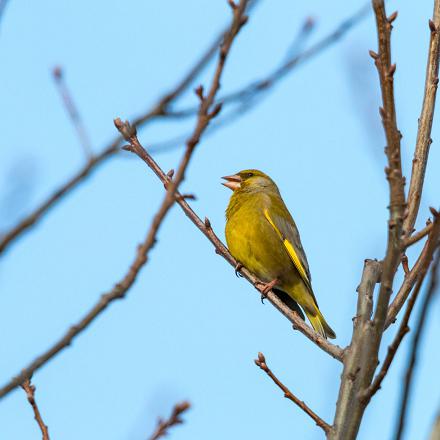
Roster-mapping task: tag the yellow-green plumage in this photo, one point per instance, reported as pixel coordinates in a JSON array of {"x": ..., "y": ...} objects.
[{"x": 262, "y": 235}]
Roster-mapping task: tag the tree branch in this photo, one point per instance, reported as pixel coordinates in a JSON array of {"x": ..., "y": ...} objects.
[
  {"x": 412, "y": 276},
  {"x": 425, "y": 123},
  {"x": 175, "y": 419},
  {"x": 30, "y": 394},
  {"x": 261, "y": 362},
  {"x": 415, "y": 345},
  {"x": 129, "y": 132},
  {"x": 362, "y": 358},
  {"x": 392, "y": 349},
  {"x": 418, "y": 235},
  {"x": 348, "y": 408}
]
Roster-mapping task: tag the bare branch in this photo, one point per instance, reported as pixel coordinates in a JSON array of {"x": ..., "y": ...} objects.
[
  {"x": 419, "y": 267},
  {"x": 261, "y": 362},
  {"x": 175, "y": 419},
  {"x": 73, "y": 112},
  {"x": 129, "y": 133},
  {"x": 348, "y": 409},
  {"x": 394, "y": 171},
  {"x": 424, "y": 140},
  {"x": 30, "y": 394},
  {"x": 420, "y": 325},
  {"x": 362, "y": 357},
  {"x": 418, "y": 235}
]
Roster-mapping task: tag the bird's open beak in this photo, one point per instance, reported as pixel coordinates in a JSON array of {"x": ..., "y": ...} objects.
[{"x": 232, "y": 182}]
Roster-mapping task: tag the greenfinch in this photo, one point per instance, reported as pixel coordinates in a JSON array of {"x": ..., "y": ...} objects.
[{"x": 262, "y": 236}]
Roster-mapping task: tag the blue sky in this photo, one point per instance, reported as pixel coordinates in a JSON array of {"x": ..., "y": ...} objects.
[{"x": 189, "y": 329}]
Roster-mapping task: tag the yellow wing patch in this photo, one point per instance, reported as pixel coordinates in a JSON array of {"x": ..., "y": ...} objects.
[{"x": 290, "y": 250}]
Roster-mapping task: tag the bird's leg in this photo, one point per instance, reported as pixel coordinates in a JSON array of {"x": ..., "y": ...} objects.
[
  {"x": 238, "y": 267},
  {"x": 267, "y": 287}
]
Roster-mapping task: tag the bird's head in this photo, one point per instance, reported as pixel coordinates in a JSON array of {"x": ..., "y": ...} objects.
[{"x": 249, "y": 180}]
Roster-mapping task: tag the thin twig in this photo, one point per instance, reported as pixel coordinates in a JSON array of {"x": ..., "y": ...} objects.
[
  {"x": 129, "y": 133},
  {"x": 414, "y": 238},
  {"x": 30, "y": 394},
  {"x": 420, "y": 325},
  {"x": 413, "y": 275},
  {"x": 175, "y": 419},
  {"x": 424, "y": 140},
  {"x": 162, "y": 109},
  {"x": 261, "y": 362}
]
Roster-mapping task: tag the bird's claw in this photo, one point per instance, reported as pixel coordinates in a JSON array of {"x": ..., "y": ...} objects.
[
  {"x": 238, "y": 267},
  {"x": 267, "y": 287}
]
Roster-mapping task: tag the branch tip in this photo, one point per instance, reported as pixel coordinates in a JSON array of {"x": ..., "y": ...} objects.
[
  {"x": 199, "y": 92},
  {"x": 392, "y": 17},
  {"x": 127, "y": 131},
  {"x": 373, "y": 54}
]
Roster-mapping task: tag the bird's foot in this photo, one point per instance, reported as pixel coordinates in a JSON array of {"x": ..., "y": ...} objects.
[
  {"x": 266, "y": 288},
  {"x": 238, "y": 267}
]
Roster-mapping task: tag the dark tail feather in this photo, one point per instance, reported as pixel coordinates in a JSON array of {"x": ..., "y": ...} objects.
[{"x": 291, "y": 303}]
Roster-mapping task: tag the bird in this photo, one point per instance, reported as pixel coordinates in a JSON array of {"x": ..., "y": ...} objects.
[{"x": 262, "y": 236}]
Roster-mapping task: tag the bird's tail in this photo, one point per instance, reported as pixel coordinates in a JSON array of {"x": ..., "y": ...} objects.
[{"x": 319, "y": 323}]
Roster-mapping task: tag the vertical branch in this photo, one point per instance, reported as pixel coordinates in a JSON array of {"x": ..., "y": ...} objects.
[
  {"x": 30, "y": 394},
  {"x": 415, "y": 346},
  {"x": 395, "y": 179},
  {"x": 348, "y": 411},
  {"x": 424, "y": 140},
  {"x": 362, "y": 358}
]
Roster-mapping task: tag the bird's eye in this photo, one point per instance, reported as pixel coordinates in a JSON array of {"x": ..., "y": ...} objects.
[{"x": 250, "y": 174}]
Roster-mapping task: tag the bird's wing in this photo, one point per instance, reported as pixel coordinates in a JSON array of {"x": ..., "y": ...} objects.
[{"x": 285, "y": 228}]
